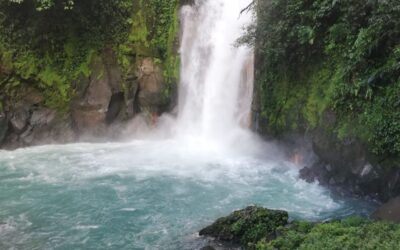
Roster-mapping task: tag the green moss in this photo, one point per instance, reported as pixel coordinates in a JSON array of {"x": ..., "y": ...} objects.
[
  {"x": 48, "y": 50},
  {"x": 153, "y": 33},
  {"x": 74, "y": 39},
  {"x": 51, "y": 74},
  {"x": 351, "y": 233},
  {"x": 247, "y": 226},
  {"x": 264, "y": 229}
]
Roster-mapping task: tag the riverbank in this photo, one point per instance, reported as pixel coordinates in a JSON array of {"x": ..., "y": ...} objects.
[{"x": 263, "y": 229}]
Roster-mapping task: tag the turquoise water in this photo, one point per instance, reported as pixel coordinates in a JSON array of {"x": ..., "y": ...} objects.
[{"x": 142, "y": 195}]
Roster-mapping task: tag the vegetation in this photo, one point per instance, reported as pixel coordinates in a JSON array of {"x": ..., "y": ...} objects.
[
  {"x": 154, "y": 29},
  {"x": 263, "y": 229},
  {"x": 324, "y": 57},
  {"x": 351, "y": 233},
  {"x": 47, "y": 44},
  {"x": 247, "y": 226}
]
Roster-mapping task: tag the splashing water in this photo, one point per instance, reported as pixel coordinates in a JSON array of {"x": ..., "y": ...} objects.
[
  {"x": 156, "y": 194},
  {"x": 217, "y": 78}
]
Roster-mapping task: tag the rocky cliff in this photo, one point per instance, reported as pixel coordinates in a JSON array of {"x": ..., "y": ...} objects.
[
  {"x": 327, "y": 73},
  {"x": 87, "y": 89}
]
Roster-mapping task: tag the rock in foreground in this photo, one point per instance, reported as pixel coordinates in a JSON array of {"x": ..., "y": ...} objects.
[
  {"x": 247, "y": 226},
  {"x": 264, "y": 229}
]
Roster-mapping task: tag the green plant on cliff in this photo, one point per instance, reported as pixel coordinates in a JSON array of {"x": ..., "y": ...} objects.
[
  {"x": 154, "y": 29},
  {"x": 49, "y": 44},
  {"x": 330, "y": 57}
]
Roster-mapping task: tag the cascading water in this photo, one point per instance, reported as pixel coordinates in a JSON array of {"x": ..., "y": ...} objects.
[
  {"x": 216, "y": 77},
  {"x": 156, "y": 194}
]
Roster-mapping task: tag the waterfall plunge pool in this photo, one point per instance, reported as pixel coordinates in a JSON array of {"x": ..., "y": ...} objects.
[{"x": 143, "y": 194}]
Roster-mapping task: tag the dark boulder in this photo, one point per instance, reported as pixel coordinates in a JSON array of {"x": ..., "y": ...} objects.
[
  {"x": 389, "y": 211},
  {"x": 347, "y": 167},
  {"x": 3, "y": 126},
  {"x": 307, "y": 174},
  {"x": 208, "y": 248},
  {"x": 43, "y": 116},
  {"x": 19, "y": 120},
  {"x": 247, "y": 226}
]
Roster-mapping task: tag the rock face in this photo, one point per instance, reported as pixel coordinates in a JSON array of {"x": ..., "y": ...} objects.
[
  {"x": 247, "y": 226},
  {"x": 27, "y": 122},
  {"x": 348, "y": 168},
  {"x": 388, "y": 212},
  {"x": 3, "y": 126},
  {"x": 344, "y": 165},
  {"x": 90, "y": 106},
  {"x": 101, "y": 99},
  {"x": 151, "y": 86},
  {"x": 103, "y": 102}
]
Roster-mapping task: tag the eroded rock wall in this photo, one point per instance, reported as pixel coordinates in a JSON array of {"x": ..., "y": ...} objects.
[{"x": 102, "y": 102}]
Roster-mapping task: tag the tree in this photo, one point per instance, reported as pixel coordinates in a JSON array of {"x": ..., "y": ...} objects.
[{"x": 47, "y": 24}]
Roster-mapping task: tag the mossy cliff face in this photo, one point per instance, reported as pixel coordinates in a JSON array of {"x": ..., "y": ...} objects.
[
  {"x": 329, "y": 70},
  {"x": 83, "y": 80},
  {"x": 263, "y": 229}
]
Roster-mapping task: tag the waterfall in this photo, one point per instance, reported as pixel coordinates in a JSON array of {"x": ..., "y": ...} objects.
[{"x": 216, "y": 85}]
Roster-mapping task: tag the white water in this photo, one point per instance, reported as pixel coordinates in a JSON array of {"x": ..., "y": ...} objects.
[
  {"x": 216, "y": 77},
  {"x": 156, "y": 193}
]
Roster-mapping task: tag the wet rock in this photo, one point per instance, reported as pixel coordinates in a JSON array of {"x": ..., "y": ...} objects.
[
  {"x": 98, "y": 93},
  {"x": 100, "y": 99},
  {"x": 390, "y": 211},
  {"x": 207, "y": 248},
  {"x": 19, "y": 120},
  {"x": 115, "y": 107},
  {"x": 347, "y": 165},
  {"x": 88, "y": 121},
  {"x": 247, "y": 226},
  {"x": 112, "y": 70},
  {"x": 42, "y": 117},
  {"x": 307, "y": 174},
  {"x": 151, "y": 86},
  {"x": 3, "y": 126},
  {"x": 32, "y": 97},
  {"x": 328, "y": 167},
  {"x": 91, "y": 103},
  {"x": 27, "y": 137}
]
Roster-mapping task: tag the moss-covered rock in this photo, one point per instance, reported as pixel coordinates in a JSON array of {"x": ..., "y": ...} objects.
[
  {"x": 247, "y": 226},
  {"x": 264, "y": 229},
  {"x": 94, "y": 80}
]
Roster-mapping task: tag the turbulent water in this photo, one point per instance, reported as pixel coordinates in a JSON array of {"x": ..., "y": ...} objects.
[
  {"x": 216, "y": 78},
  {"x": 157, "y": 193},
  {"x": 141, "y": 195}
]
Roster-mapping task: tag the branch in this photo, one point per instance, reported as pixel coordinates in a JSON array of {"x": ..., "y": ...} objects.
[{"x": 248, "y": 7}]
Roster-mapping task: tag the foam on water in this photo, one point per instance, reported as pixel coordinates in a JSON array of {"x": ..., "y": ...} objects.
[{"x": 141, "y": 195}]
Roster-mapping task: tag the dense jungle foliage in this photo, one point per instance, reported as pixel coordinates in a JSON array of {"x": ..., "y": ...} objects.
[
  {"x": 47, "y": 44},
  {"x": 332, "y": 64}
]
